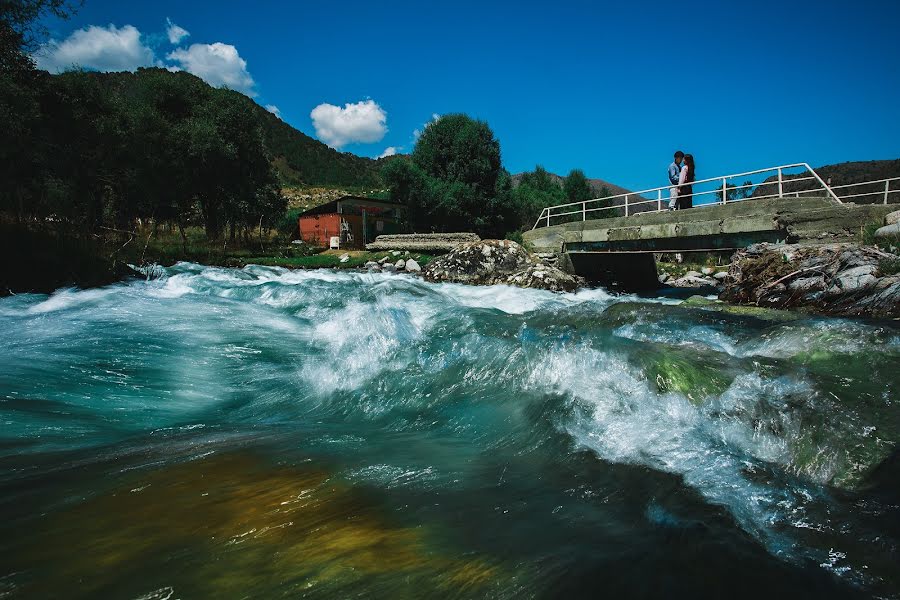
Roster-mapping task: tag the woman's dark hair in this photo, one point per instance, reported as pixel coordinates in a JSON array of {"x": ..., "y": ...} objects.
[{"x": 689, "y": 161}]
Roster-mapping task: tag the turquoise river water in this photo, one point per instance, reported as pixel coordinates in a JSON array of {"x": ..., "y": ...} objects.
[{"x": 263, "y": 433}]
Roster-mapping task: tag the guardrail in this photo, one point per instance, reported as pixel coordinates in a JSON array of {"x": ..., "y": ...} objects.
[{"x": 720, "y": 192}]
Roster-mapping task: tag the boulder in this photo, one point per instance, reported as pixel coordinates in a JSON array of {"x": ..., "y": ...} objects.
[
  {"x": 892, "y": 218},
  {"x": 888, "y": 231},
  {"x": 498, "y": 262},
  {"x": 372, "y": 265},
  {"x": 400, "y": 265},
  {"x": 721, "y": 275},
  {"x": 693, "y": 274},
  {"x": 707, "y": 270},
  {"x": 344, "y": 258},
  {"x": 663, "y": 277},
  {"x": 412, "y": 266}
]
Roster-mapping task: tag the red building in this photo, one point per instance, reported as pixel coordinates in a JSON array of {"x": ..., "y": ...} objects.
[{"x": 353, "y": 220}]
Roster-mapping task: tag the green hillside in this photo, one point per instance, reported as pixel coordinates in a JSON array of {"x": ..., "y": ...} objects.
[
  {"x": 302, "y": 160},
  {"x": 298, "y": 159}
]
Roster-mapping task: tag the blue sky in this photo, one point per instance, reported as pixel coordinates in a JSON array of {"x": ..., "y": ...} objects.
[{"x": 611, "y": 88}]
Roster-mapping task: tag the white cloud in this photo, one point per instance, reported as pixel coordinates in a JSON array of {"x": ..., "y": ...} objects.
[
  {"x": 364, "y": 122},
  {"x": 417, "y": 133},
  {"x": 175, "y": 32},
  {"x": 217, "y": 64},
  {"x": 101, "y": 48},
  {"x": 274, "y": 110},
  {"x": 390, "y": 151}
]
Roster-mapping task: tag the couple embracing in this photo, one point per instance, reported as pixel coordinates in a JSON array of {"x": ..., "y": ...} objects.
[{"x": 681, "y": 176}]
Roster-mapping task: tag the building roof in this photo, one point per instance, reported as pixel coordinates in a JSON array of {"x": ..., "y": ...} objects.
[{"x": 331, "y": 207}]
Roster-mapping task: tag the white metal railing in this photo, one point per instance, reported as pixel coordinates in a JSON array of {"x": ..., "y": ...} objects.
[
  {"x": 879, "y": 193},
  {"x": 721, "y": 193}
]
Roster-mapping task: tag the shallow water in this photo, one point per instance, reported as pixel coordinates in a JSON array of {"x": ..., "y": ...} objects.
[{"x": 261, "y": 432}]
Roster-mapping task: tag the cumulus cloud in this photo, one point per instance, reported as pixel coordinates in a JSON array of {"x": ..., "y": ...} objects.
[
  {"x": 217, "y": 64},
  {"x": 100, "y": 48},
  {"x": 274, "y": 110},
  {"x": 364, "y": 122},
  {"x": 390, "y": 151},
  {"x": 175, "y": 32}
]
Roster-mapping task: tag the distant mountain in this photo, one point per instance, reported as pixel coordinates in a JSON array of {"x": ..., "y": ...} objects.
[{"x": 843, "y": 174}]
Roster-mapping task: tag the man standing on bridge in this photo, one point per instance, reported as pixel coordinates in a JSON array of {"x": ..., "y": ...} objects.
[{"x": 674, "y": 172}]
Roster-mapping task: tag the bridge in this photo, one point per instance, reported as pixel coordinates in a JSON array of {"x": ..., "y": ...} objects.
[{"x": 614, "y": 238}]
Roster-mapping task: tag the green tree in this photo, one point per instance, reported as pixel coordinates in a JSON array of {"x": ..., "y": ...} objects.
[
  {"x": 577, "y": 187},
  {"x": 454, "y": 180}
]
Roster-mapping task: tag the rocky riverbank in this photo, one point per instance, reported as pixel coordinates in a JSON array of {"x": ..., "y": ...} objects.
[
  {"x": 835, "y": 279},
  {"x": 503, "y": 262}
]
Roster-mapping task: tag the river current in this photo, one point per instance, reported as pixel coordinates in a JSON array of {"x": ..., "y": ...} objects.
[{"x": 261, "y": 433}]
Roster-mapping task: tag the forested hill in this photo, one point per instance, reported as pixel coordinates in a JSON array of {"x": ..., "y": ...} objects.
[
  {"x": 842, "y": 174},
  {"x": 599, "y": 186},
  {"x": 302, "y": 160},
  {"x": 298, "y": 158}
]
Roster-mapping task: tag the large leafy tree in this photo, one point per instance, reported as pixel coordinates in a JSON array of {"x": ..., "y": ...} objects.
[{"x": 454, "y": 180}]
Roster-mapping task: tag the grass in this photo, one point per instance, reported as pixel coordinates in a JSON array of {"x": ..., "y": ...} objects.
[{"x": 889, "y": 266}]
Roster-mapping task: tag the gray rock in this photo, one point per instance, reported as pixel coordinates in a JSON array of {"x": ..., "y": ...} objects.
[
  {"x": 372, "y": 265},
  {"x": 663, "y": 277},
  {"x": 389, "y": 268},
  {"x": 707, "y": 270},
  {"x": 384, "y": 260},
  {"x": 892, "y": 230},
  {"x": 400, "y": 265},
  {"x": 690, "y": 281},
  {"x": 492, "y": 262},
  {"x": 693, "y": 274},
  {"x": 892, "y": 218},
  {"x": 412, "y": 266},
  {"x": 396, "y": 253},
  {"x": 721, "y": 275},
  {"x": 344, "y": 258}
]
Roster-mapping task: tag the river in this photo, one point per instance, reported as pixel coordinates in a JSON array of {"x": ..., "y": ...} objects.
[{"x": 258, "y": 432}]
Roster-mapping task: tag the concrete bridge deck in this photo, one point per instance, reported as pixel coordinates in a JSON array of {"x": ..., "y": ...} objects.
[{"x": 588, "y": 247}]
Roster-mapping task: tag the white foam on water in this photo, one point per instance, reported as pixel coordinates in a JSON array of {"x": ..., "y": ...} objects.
[
  {"x": 67, "y": 298},
  {"x": 621, "y": 416}
]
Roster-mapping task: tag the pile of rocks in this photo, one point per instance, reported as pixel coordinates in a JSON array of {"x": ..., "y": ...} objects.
[
  {"x": 705, "y": 277},
  {"x": 838, "y": 279},
  {"x": 426, "y": 243},
  {"x": 392, "y": 263},
  {"x": 493, "y": 262}
]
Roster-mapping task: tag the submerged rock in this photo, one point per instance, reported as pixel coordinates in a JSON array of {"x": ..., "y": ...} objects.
[
  {"x": 838, "y": 279},
  {"x": 498, "y": 262}
]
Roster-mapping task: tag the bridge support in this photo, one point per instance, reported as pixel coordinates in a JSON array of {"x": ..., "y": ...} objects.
[{"x": 633, "y": 271}]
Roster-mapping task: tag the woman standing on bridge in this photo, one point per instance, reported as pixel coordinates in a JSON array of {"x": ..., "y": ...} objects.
[{"x": 685, "y": 179}]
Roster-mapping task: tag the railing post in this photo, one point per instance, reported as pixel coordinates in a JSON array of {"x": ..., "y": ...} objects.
[
  {"x": 626, "y": 205},
  {"x": 658, "y": 200},
  {"x": 780, "y": 184},
  {"x": 724, "y": 191},
  {"x": 887, "y": 188},
  {"x": 548, "y": 217},
  {"x": 584, "y": 211}
]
